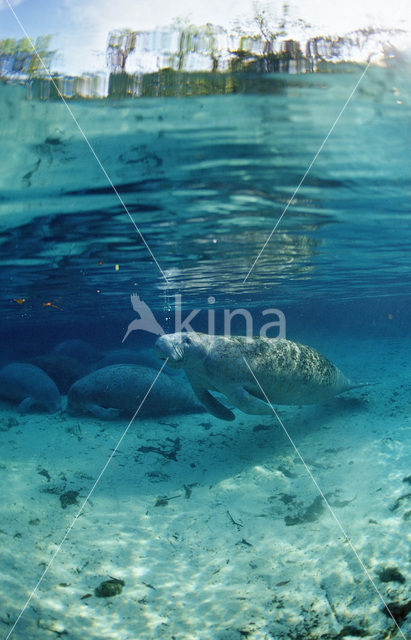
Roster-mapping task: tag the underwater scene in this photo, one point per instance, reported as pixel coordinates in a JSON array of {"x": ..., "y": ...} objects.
[{"x": 205, "y": 341}]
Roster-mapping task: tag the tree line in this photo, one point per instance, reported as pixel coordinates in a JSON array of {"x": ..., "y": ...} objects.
[
  {"x": 262, "y": 46},
  {"x": 18, "y": 59}
]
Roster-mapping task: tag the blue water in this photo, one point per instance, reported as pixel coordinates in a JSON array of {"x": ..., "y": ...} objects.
[{"x": 205, "y": 180}]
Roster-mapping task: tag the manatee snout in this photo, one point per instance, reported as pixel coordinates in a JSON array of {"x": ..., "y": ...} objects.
[
  {"x": 167, "y": 348},
  {"x": 56, "y": 406},
  {"x": 49, "y": 406}
]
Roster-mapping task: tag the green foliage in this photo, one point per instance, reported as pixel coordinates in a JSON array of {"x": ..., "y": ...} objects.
[
  {"x": 262, "y": 48},
  {"x": 120, "y": 44},
  {"x": 18, "y": 58},
  {"x": 192, "y": 39},
  {"x": 261, "y": 44}
]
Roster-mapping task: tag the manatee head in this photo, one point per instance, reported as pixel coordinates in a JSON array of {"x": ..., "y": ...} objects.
[
  {"x": 182, "y": 348},
  {"x": 47, "y": 405},
  {"x": 30, "y": 386},
  {"x": 53, "y": 405},
  {"x": 47, "y": 398}
]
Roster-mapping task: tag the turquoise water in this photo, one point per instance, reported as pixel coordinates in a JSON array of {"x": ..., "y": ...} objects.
[{"x": 205, "y": 179}]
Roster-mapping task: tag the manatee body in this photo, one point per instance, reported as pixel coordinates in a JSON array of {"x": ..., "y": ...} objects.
[
  {"x": 78, "y": 349},
  {"x": 29, "y": 386},
  {"x": 120, "y": 356},
  {"x": 288, "y": 372},
  {"x": 117, "y": 390},
  {"x": 145, "y": 357},
  {"x": 63, "y": 370}
]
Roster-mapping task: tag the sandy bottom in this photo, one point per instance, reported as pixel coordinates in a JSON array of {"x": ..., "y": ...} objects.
[{"x": 216, "y": 529}]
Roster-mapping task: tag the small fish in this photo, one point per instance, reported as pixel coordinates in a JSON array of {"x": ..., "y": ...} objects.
[{"x": 50, "y": 304}]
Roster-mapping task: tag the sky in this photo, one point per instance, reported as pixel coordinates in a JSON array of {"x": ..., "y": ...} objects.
[{"x": 80, "y": 27}]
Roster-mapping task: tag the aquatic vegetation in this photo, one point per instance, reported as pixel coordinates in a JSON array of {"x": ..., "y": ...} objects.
[
  {"x": 68, "y": 498},
  {"x": 391, "y": 574},
  {"x": 308, "y": 514},
  {"x": 109, "y": 588}
]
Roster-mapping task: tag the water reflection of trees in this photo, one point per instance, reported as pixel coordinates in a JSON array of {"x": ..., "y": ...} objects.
[
  {"x": 120, "y": 45},
  {"x": 198, "y": 59},
  {"x": 18, "y": 59},
  {"x": 208, "y": 59}
]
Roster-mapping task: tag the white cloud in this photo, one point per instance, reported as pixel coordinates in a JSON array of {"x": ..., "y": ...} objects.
[
  {"x": 140, "y": 14},
  {"x": 351, "y": 14}
]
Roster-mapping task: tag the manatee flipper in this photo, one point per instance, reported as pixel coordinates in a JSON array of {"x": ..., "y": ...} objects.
[
  {"x": 102, "y": 413},
  {"x": 25, "y": 405},
  {"x": 212, "y": 405},
  {"x": 247, "y": 402}
]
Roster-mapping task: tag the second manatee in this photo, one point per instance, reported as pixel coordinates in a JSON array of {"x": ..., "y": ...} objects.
[{"x": 118, "y": 390}]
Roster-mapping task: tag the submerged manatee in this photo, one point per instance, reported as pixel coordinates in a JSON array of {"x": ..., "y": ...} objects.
[
  {"x": 30, "y": 387},
  {"x": 288, "y": 372},
  {"x": 145, "y": 357},
  {"x": 78, "y": 349},
  {"x": 63, "y": 370},
  {"x": 117, "y": 390}
]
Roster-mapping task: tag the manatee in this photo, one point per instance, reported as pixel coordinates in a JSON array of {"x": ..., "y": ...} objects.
[
  {"x": 63, "y": 370},
  {"x": 145, "y": 357},
  {"x": 288, "y": 372},
  {"x": 117, "y": 390},
  {"x": 120, "y": 356},
  {"x": 78, "y": 349},
  {"x": 30, "y": 387}
]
